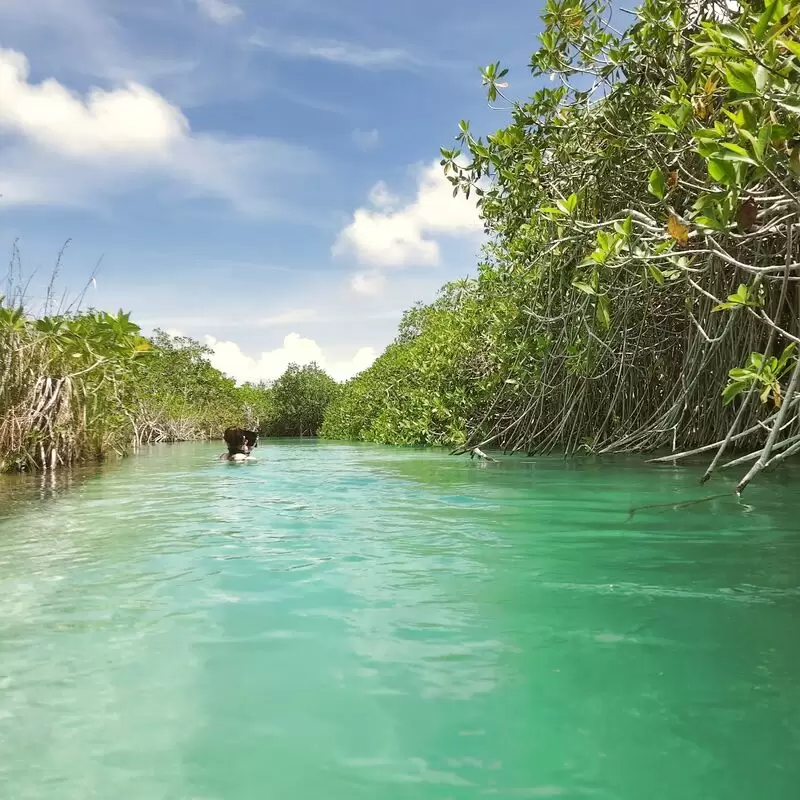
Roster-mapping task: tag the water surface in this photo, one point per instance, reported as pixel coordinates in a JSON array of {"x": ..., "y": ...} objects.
[{"x": 339, "y": 622}]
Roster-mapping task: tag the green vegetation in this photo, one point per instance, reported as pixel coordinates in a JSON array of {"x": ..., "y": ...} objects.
[
  {"x": 76, "y": 386},
  {"x": 639, "y": 290},
  {"x": 64, "y": 382},
  {"x": 176, "y": 395},
  {"x": 298, "y": 401},
  {"x": 428, "y": 385}
]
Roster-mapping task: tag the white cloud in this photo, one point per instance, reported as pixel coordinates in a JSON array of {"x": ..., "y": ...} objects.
[
  {"x": 381, "y": 197},
  {"x": 383, "y": 235},
  {"x": 220, "y": 11},
  {"x": 126, "y": 121},
  {"x": 229, "y": 358},
  {"x": 368, "y": 283},
  {"x": 363, "y": 359},
  {"x": 70, "y": 148},
  {"x": 334, "y": 51},
  {"x": 366, "y": 140}
]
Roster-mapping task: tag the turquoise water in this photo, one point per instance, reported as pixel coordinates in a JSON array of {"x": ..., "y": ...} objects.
[{"x": 338, "y": 622}]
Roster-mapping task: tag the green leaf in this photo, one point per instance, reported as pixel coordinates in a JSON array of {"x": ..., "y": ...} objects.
[
  {"x": 732, "y": 390},
  {"x": 657, "y": 185},
  {"x": 656, "y": 273},
  {"x": 740, "y": 78},
  {"x": 584, "y": 287},
  {"x": 665, "y": 121},
  {"x": 764, "y": 20},
  {"x": 736, "y": 148},
  {"x": 710, "y": 222},
  {"x": 741, "y": 296},
  {"x": 734, "y": 157},
  {"x": 707, "y": 133},
  {"x": 708, "y": 148},
  {"x": 623, "y": 228},
  {"x": 786, "y": 355},
  {"x": 562, "y": 207},
  {"x": 756, "y": 144},
  {"x": 599, "y": 256},
  {"x": 683, "y": 114},
  {"x": 663, "y": 247},
  {"x": 736, "y": 117},
  {"x": 569, "y": 205},
  {"x": 791, "y": 45},
  {"x": 705, "y": 50},
  {"x": 722, "y": 171},
  {"x": 739, "y": 374},
  {"x": 602, "y": 312},
  {"x": 780, "y": 132},
  {"x": 627, "y": 226},
  {"x": 733, "y": 34},
  {"x": 703, "y": 202}
]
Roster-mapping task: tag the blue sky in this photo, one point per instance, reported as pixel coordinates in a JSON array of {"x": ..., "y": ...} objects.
[{"x": 260, "y": 176}]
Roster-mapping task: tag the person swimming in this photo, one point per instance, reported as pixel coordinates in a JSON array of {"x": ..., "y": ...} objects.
[{"x": 240, "y": 444}]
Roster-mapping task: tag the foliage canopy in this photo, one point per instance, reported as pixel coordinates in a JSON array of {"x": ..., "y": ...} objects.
[{"x": 640, "y": 284}]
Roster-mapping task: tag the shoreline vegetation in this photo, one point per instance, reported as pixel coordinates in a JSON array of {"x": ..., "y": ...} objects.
[
  {"x": 78, "y": 386},
  {"x": 640, "y": 288},
  {"x": 638, "y": 291}
]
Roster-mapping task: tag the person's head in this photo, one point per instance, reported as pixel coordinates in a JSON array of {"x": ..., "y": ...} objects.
[{"x": 240, "y": 440}]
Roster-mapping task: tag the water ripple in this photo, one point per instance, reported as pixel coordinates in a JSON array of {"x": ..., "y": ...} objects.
[{"x": 356, "y": 622}]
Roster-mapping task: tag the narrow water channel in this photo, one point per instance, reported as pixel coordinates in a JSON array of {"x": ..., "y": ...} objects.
[{"x": 339, "y": 622}]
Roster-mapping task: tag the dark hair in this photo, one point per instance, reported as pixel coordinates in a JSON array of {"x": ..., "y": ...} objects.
[{"x": 237, "y": 438}]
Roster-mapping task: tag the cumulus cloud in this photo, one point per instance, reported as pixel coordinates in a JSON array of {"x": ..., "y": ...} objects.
[
  {"x": 334, "y": 51},
  {"x": 229, "y": 358},
  {"x": 385, "y": 234},
  {"x": 381, "y": 197},
  {"x": 130, "y": 120},
  {"x": 365, "y": 140},
  {"x": 220, "y": 11},
  {"x": 67, "y": 146}
]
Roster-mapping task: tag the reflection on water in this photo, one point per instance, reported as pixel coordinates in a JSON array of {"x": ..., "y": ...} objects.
[
  {"x": 21, "y": 491},
  {"x": 343, "y": 621}
]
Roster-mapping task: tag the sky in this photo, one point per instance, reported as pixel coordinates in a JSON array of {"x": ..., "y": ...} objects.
[{"x": 260, "y": 176}]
